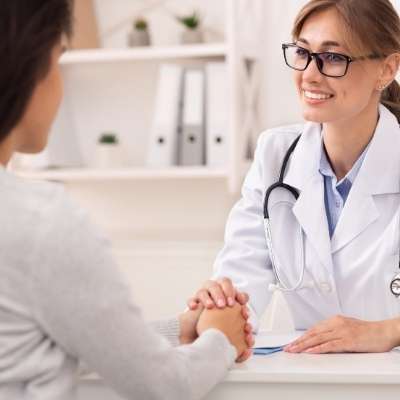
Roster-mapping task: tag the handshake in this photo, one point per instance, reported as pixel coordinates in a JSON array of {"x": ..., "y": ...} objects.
[{"x": 218, "y": 305}]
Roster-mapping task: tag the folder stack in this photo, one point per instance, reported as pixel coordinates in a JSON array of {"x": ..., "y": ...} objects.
[{"x": 191, "y": 116}]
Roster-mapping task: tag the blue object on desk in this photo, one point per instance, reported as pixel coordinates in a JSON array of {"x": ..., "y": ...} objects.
[{"x": 263, "y": 351}]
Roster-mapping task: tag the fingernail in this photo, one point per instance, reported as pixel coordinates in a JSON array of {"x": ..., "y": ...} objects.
[
  {"x": 209, "y": 303},
  {"x": 221, "y": 303},
  {"x": 231, "y": 302}
]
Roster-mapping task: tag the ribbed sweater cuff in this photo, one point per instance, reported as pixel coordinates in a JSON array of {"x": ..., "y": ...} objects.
[{"x": 169, "y": 328}]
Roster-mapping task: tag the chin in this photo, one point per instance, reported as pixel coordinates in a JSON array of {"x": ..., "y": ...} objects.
[
  {"x": 317, "y": 116},
  {"x": 33, "y": 148}
]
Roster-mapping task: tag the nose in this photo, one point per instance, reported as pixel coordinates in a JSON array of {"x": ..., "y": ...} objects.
[{"x": 312, "y": 74}]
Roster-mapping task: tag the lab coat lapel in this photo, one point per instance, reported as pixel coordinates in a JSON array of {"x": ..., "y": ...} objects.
[
  {"x": 379, "y": 174},
  {"x": 309, "y": 209}
]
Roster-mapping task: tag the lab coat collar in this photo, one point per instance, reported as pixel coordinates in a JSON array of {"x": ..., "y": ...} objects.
[
  {"x": 309, "y": 209},
  {"x": 380, "y": 172},
  {"x": 378, "y": 175}
]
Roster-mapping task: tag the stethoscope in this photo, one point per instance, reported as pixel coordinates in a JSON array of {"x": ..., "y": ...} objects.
[{"x": 280, "y": 285}]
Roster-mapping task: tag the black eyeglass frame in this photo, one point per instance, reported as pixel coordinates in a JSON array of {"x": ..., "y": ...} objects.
[{"x": 320, "y": 62}]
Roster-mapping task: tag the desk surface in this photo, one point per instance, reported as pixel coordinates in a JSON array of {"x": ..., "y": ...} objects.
[
  {"x": 305, "y": 376},
  {"x": 382, "y": 368}
]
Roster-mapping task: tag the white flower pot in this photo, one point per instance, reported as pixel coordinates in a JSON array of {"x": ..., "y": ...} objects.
[
  {"x": 108, "y": 155},
  {"x": 138, "y": 38},
  {"x": 191, "y": 36}
]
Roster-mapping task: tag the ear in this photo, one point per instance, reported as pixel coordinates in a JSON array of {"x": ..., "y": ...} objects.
[{"x": 389, "y": 70}]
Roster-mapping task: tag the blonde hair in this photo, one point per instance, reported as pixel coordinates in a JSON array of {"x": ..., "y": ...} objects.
[{"x": 370, "y": 27}]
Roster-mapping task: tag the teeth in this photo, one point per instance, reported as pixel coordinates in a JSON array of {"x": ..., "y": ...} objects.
[{"x": 317, "y": 96}]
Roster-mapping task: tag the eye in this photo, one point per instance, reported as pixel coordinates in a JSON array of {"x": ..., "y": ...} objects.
[
  {"x": 333, "y": 58},
  {"x": 301, "y": 53}
]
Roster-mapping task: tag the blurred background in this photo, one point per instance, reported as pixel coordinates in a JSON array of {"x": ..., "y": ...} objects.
[{"x": 164, "y": 101}]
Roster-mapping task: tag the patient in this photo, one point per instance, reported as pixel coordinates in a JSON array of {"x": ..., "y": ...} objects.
[{"x": 62, "y": 298}]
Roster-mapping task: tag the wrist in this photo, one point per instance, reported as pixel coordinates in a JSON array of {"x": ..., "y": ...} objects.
[
  {"x": 393, "y": 331},
  {"x": 187, "y": 333}
]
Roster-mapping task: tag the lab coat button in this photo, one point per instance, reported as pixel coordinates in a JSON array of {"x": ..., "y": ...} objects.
[{"x": 325, "y": 287}]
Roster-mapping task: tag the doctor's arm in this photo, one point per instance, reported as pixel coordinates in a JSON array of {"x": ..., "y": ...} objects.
[{"x": 243, "y": 268}]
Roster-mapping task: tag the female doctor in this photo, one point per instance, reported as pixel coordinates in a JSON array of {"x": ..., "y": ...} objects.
[{"x": 334, "y": 216}]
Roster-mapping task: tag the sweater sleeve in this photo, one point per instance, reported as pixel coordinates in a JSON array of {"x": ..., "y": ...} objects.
[{"x": 82, "y": 301}]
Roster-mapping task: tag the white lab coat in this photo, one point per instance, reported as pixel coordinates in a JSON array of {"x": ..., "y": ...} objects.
[{"x": 350, "y": 273}]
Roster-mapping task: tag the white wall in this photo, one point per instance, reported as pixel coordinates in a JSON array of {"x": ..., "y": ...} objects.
[{"x": 279, "y": 102}]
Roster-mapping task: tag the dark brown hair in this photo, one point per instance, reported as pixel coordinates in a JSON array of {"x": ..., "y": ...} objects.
[
  {"x": 370, "y": 26},
  {"x": 29, "y": 30}
]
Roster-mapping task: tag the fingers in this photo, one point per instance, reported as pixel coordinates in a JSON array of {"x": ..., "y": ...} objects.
[
  {"x": 228, "y": 290},
  {"x": 205, "y": 298},
  {"x": 242, "y": 298},
  {"x": 192, "y": 303},
  {"x": 248, "y": 328},
  {"x": 245, "y": 313},
  {"x": 333, "y": 346},
  {"x": 244, "y": 356},
  {"x": 310, "y": 342},
  {"x": 217, "y": 293}
]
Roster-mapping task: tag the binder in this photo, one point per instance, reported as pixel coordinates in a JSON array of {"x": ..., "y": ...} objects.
[
  {"x": 162, "y": 151},
  {"x": 217, "y": 112},
  {"x": 191, "y": 149}
]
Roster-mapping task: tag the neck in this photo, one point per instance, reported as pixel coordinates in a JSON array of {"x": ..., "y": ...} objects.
[
  {"x": 345, "y": 141},
  {"x": 7, "y": 147}
]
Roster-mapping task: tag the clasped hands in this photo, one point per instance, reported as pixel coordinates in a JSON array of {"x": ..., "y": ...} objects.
[{"x": 229, "y": 316}]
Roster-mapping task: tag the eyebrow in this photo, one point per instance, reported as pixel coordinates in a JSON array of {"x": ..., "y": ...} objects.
[{"x": 327, "y": 43}]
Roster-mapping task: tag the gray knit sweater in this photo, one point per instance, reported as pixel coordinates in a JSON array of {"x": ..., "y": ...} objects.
[{"x": 63, "y": 299}]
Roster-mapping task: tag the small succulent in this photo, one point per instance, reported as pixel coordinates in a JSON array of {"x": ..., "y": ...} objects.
[
  {"x": 108, "y": 138},
  {"x": 140, "y": 24},
  {"x": 190, "y": 21}
]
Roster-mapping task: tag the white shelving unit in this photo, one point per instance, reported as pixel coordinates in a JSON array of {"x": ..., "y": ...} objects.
[
  {"x": 119, "y": 85},
  {"x": 90, "y": 174},
  {"x": 150, "y": 53}
]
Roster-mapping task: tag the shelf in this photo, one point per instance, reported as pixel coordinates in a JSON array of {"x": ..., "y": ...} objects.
[
  {"x": 144, "y": 53},
  {"x": 88, "y": 174}
]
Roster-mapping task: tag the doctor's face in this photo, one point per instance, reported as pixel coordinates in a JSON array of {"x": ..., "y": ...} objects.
[{"x": 327, "y": 99}]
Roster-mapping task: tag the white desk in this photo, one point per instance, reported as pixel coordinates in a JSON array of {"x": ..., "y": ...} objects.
[
  {"x": 303, "y": 376},
  {"x": 298, "y": 376}
]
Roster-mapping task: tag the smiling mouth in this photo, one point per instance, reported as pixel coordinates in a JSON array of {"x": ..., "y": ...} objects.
[{"x": 316, "y": 96}]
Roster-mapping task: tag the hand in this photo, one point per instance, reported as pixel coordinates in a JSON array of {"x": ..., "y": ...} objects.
[
  {"x": 231, "y": 323},
  {"x": 341, "y": 334},
  {"x": 188, "y": 322},
  {"x": 218, "y": 293}
]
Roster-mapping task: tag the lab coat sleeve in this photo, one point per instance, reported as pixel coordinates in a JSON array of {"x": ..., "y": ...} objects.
[
  {"x": 244, "y": 257},
  {"x": 83, "y": 304}
]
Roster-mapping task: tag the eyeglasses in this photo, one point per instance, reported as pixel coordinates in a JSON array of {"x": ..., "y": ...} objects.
[{"x": 333, "y": 65}]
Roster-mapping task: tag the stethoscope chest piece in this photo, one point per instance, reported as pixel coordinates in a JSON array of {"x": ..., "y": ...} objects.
[{"x": 395, "y": 285}]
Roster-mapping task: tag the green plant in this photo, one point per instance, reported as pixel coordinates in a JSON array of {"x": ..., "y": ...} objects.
[
  {"x": 190, "y": 21},
  {"x": 108, "y": 138},
  {"x": 140, "y": 24}
]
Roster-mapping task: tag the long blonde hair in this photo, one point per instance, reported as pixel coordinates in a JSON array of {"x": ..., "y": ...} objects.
[{"x": 371, "y": 26}]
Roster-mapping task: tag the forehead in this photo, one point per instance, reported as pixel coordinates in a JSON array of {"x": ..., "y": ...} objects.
[{"x": 323, "y": 29}]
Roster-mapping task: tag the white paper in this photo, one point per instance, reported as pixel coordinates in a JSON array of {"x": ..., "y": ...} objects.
[{"x": 275, "y": 339}]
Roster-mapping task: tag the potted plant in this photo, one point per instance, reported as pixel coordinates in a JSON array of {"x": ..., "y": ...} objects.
[
  {"x": 108, "y": 152},
  {"x": 192, "y": 32},
  {"x": 139, "y": 35}
]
